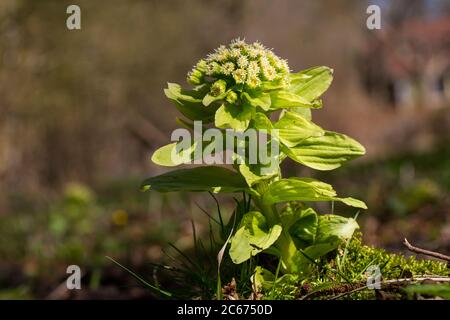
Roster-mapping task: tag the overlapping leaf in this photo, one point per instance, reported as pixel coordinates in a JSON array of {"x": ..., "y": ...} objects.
[
  {"x": 304, "y": 189},
  {"x": 214, "y": 179},
  {"x": 172, "y": 155},
  {"x": 293, "y": 129},
  {"x": 234, "y": 116},
  {"x": 189, "y": 102},
  {"x": 316, "y": 235},
  {"x": 311, "y": 83},
  {"x": 325, "y": 152},
  {"x": 253, "y": 236},
  {"x": 286, "y": 99},
  {"x": 257, "y": 99}
]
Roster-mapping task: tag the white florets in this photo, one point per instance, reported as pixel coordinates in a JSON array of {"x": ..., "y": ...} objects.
[
  {"x": 249, "y": 64},
  {"x": 240, "y": 75},
  {"x": 227, "y": 68}
]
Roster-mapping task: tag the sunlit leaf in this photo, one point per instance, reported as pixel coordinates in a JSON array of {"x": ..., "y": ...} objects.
[
  {"x": 234, "y": 116},
  {"x": 189, "y": 103},
  {"x": 171, "y": 155},
  {"x": 253, "y": 236},
  {"x": 286, "y": 99},
  {"x": 310, "y": 84},
  {"x": 257, "y": 99},
  {"x": 214, "y": 179},
  {"x": 302, "y": 189},
  {"x": 325, "y": 152},
  {"x": 293, "y": 129},
  {"x": 254, "y": 173}
]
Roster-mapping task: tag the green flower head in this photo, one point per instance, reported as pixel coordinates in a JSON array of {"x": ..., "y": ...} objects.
[
  {"x": 231, "y": 97},
  {"x": 196, "y": 76},
  {"x": 241, "y": 63},
  {"x": 218, "y": 88}
]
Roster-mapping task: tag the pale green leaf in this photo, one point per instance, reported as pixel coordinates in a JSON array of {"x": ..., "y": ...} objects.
[
  {"x": 169, "y": 156},
  {"x": 208, "y": 98},
  {"x": 234, "y": 116},
  {"x": 293, "y": 129},
  {"x": 325, "y": 152},
  {"x": 286, "y": 99},
  {"x": 331, "y": 225},
  {"x": 189, "y": 102},
  {"x": 310, "y": 84},
  {"x": 257, "y": 99},
  {"x": 262, "y": 122},
  {"x": 253, "y": 236},
  {"x": 331, "y": 231},
  {"x": 254, "y": 173},
  {"x": 276, "y": 84},
  {"x": 304, "y": 112},
  {"x": 302, "y": 189},
  {"x": 214, "y": 179},
  {"x": 318, "y": 250},
  {"x": 262, "y": 278}
]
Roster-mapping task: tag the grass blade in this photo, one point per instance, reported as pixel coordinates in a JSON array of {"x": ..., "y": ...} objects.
[{"x": 135, "y": 275}]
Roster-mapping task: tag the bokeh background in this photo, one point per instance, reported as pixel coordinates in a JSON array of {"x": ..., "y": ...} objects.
[{"x": 81, "y": 112}]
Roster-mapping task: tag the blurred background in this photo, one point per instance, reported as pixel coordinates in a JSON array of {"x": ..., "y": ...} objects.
[{"x": 81, "y": 112}]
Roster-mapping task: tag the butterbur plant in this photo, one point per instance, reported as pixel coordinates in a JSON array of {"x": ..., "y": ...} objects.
[{"x": 234, "y": 92}]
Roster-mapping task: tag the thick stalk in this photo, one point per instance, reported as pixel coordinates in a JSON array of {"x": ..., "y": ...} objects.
[{"x": 284, "y": 244}]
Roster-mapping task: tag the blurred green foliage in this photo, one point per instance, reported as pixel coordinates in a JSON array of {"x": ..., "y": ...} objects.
[
  {"x": 401, "y": 184},
  {"x": 358, "y": 259},
  {"x": 81, "y": 226}
]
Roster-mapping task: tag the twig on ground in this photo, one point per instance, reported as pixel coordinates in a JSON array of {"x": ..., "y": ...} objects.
[
  {"x": 426, "y": 252},
  {"x": 394, "y": 281}
]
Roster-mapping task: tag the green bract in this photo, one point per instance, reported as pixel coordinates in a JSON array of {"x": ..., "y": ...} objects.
[{"x": 245, "y": 87}]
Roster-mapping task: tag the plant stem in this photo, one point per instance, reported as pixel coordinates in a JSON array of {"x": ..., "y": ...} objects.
[{"x": 285, "y": 244}]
